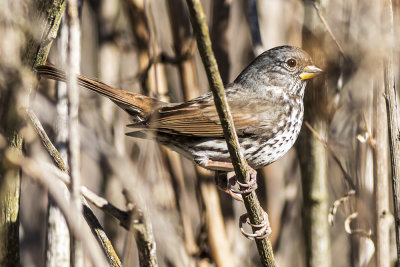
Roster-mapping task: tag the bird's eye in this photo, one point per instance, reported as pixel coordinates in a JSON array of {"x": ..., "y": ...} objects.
[{"x": 291, "y": 62}]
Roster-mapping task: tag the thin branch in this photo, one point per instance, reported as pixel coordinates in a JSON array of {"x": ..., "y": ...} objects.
[
  {"x": 73, "y": 62},
  {"x": 323, "y": 20},
  {"x": 357, "y": 231},
  {"x": 256, "y": 213},
  {"x": 35, "y": 171},
  {"x": 132, "y": 219},
  {"x": 55, "y": 13},
  {"x": 394, "y": 144},
  {"x": 393, "y": 118},
  {"x": 220, "y": 37},
  {"x": 335, "y": 158},
  {"x": 143, "y": 231},
  {"x": 336, "y": 205},
  {"x": 98, "y": 230},
  {"x": 381, "y": 174},
  {"x": 88, "y": 213},
  {"x": 48, "y": 145},
  {"x": 16, "y": 18},
  {"x": 122, "y": 216},
  {"x": 254, "y": 25}
]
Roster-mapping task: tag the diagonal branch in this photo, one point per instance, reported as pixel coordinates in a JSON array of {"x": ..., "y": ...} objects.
[
  {"x": 323, "y": 20},
  {"x": 254, "y": 210},
  {"x": 335, "y": 158},
  {"x": 88, "y": 213},
  {"x": 36, "y": 173}
]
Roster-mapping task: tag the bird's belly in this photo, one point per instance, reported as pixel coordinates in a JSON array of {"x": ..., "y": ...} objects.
[
  {"x": 269, "y": 150},
  {"x": 259, "y": 150}
]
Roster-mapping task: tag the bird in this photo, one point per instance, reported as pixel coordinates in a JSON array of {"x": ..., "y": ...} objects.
[{"x": 265, "y": 100}]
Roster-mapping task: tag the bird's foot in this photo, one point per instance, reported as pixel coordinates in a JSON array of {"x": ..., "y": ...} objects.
[
  {"x": 225, "y": 185},
  {"x": 260, "y": 231},
  {"x": 248, "y": 187}
]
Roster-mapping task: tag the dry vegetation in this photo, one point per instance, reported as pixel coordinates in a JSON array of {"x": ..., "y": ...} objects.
[{"x": 343, "y": 158}]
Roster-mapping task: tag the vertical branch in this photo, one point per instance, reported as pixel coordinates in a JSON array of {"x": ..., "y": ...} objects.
[
  {"x": 183, "y": 43},
  {"x": 87, "y": 212},
  {"x": 181, "y": 32},
  {"x": 216, "y": 231},
  {"x": 393, "y": 125},
  {"x": 219, "y": 36},
  {"x": 254, "y": 210},
  {"x": 381, "y": 181},
  {"x": 141, "y": 33},
  {"x": 154, "y": 82},
  {"x": 73, "y": 62},
  {"x": 13, "y": 79},
  {"x": 313, "y": 162},
  {"x": 58, "y": 236},
  {"x": 394, "y": 146},
  {"x": 254, "y": 25}
]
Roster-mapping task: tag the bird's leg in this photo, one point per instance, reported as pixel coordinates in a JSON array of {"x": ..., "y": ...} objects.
[
  {"x": 243, "y": 187},
  {"x": 260, "y": 231},
  {"x": 221, "y": 180}
]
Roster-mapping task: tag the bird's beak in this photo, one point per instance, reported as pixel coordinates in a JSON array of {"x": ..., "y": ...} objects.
[{"x": 310, "y": 72}]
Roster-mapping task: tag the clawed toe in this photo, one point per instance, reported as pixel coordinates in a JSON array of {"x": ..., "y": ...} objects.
[
  {"x": 226, "y": 184},
  {"x": 245, "y": 187},
  {"x": 234, "y": 195},
  {"x": 264, "y": 230}
]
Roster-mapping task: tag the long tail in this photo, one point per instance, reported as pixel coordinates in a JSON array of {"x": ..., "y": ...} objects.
[{"x": 137, "y": 105}]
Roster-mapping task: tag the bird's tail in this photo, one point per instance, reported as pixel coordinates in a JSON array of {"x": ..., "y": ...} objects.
[{"x": 137, "y": 105}]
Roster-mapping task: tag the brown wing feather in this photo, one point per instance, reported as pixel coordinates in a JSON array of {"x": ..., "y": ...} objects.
[{"x": 199, "y": 117}]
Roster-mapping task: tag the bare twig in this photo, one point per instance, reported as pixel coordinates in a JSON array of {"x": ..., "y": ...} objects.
[
  {"x": 140, "y": 29},
  {"x": 36, "y": 172},
  {"x": 335, "y": 158},
  {"x": 381, "y": 179},
  {"x": 183, "y": 42},
  {"x": 393, "y": 120},
  {"x": 251, "y": 202},
  {"x": 111, "y": 255},
  {"x": 98, "y": 230},
  {"x": 217, "y": 236},
  {"x": 219, "y": 35},
  {"x": 143, "y": 231},
  {"x": 73, "y": 63},
  {"x": 58, "y": 237},
  {"x": 357, "y": 231},
  {"x": 394, "y": 144},
  {"x": 99, "y": 202},
  {"x": 336, "y": 205},
  {"x": 51, "y": 149},
  {"x": 323, "y": 20},
  {"x": 129, "y": 220},
  {"x": 16, "y": 18},
  {"x": 252, "y": 18},
  {"x": 184, "y": 46},
  {"x": 55, "y": 13}
]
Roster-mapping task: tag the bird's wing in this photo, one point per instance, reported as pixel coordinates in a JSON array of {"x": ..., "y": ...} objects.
[{"x": 199, "y": 117}]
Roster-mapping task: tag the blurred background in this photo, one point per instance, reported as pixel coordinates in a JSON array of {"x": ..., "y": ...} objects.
[{"x": 148, "y": 47}]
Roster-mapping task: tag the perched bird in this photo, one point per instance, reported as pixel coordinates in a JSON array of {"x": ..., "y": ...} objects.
[{"x": 266, "y": 102}]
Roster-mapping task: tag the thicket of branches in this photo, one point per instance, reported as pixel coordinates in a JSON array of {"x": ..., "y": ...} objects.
[{"x": 75, "y": 190}]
